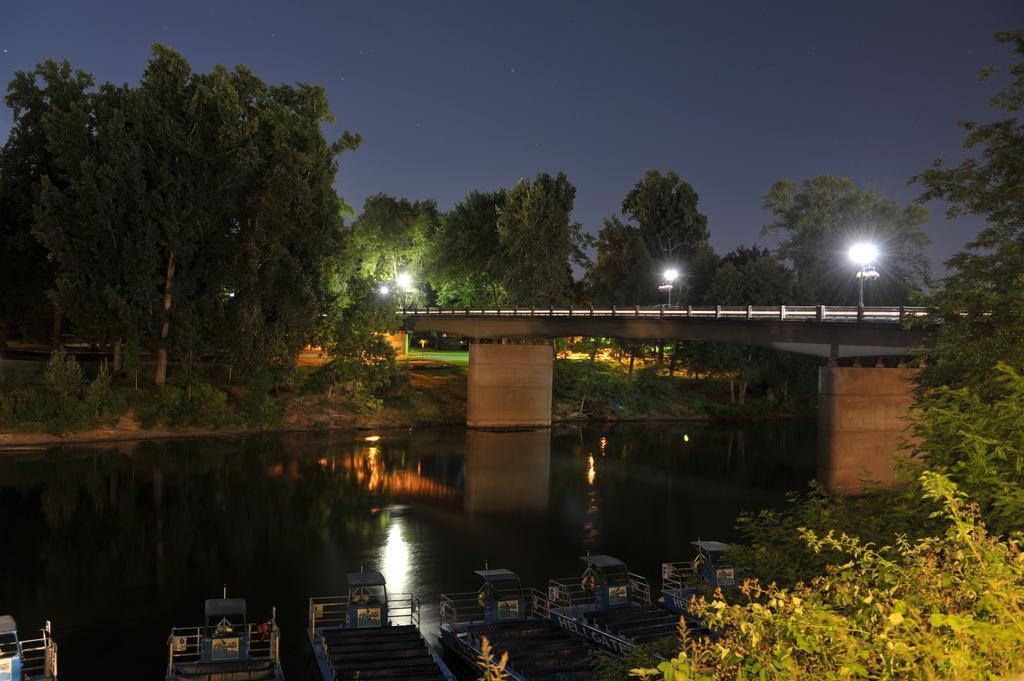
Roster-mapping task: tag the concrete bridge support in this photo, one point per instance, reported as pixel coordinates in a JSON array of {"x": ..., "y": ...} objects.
[
  {"x": 862, "y": 419},
  {"x": 509, "y": 386}
]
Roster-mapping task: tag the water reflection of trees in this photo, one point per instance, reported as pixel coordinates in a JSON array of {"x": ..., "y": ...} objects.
[{"x": 151, "y": 517}]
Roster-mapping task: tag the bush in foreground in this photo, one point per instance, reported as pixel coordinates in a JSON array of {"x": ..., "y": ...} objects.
[{"x": 950, "y": 606}]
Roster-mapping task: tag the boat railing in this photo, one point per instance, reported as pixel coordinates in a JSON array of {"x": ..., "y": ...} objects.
[
  {"x": 641, "y": 589},
  {"x": 38, "y": 655},
  {"x": 679, "y": 574},
  {"x": 185, "y": 643},
  {"x": 461, "y": 607},
  {"x": 569, "y": 591},
  {"x": 332, "y": 611},
  {"x": 540, "y": 606}
]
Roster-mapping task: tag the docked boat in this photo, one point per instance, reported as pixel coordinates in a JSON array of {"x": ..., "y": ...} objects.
[
  {"x": 371, "y": 634},
  {"x": 227, "y": 647},
  {"x": 514, "y": 622},
  {"x": 610, "y": 607},
  {"x": 709, "y": 570},
  {"x": 33, "y": 659}
]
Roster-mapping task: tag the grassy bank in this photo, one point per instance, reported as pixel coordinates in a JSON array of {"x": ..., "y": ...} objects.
[{"x": 65, "y": 401}]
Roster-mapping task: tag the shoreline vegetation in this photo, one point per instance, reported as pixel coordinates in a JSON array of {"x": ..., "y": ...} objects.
[{"x": 38, "y": 409}]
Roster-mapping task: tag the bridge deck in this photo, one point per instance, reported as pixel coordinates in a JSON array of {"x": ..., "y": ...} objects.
[{"x": 822, "y": 330}]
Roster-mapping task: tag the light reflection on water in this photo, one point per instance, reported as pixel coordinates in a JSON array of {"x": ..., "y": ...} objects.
[{"x": 131, "y": 538}]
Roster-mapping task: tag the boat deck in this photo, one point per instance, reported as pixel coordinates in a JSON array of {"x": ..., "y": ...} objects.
[
  {"x": 248, "y": 670},
  {"x": 643, "y": 624},
  {"x": 395, "y": 652},
  {"x": 539, "y": 650}
]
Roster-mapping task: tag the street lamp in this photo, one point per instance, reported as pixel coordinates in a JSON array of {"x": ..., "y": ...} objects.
[
  {"x": 670, "y": 276},
  {"x": 864, "y": 254},
  {"x": 404, "y": 282},
  {"x": 383, "y": 290}
]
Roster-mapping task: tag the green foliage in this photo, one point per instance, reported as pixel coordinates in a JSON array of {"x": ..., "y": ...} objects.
[
  {"x": 392, "y": 236},
  {"x": 623, "y": 273},
  {"x": 822, "y": 217},
  {"x": 948, "y": 606},
  {"x": 773, "y": 550},
  {"x": 192, "y": 214},
  {"x": 539, "y": 241},
  {"x": 979, "y": 443},
  {"x": 99, "y": 396},
  {"x": 986, "y": 279},
  {"x": 26, "y": 403},
  {"x": 594, "y": 387},
  {"x": 664, "y": 209},
  {"x": 204, "y": 406},
  {"x": 65, "y": 378},
  {"x": 466, "y": 260}
]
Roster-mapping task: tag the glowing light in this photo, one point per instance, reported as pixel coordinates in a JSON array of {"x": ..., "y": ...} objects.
[
  {"x": 604, "y": 444},
  {"x": 384, "y": 290},
  {"x": 671, "y": 275},
  {"x": 372, "y": 438},
  {"x": 404, "y": 281},
  {"x": 863, "y": 253},
  {"x": 395, "y": 558},
  {"x": 686, "y": 438},
  {"x": 591, "y": 470}
]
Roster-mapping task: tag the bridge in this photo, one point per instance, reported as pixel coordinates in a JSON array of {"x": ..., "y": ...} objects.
[
  {"x": 819, "y": 330},
  {"x": 861, "y": 409}
]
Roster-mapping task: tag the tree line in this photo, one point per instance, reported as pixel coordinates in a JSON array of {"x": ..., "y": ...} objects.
[{"x": 195, "y": 215}]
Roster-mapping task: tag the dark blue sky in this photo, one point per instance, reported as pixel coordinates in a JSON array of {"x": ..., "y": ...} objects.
[{"x": 451, "y": 96}]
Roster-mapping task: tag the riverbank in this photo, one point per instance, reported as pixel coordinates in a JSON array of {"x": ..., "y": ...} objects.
[{"x": 437, "y": 397}]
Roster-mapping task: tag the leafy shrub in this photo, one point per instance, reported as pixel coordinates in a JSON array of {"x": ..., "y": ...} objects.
[
  {"x": 595, "y": 387},
  {"x": 948, "y": 606},
  {"x": 65, "y": 378},
  {"x": 173, "y": 406},
  {"x": 367, "y": 376},
  {"x": 99, "y": 396}
]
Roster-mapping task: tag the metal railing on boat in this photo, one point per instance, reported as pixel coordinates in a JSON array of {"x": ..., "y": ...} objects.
[
  {"x": 38, "y": 655},
  {"x": 185, "y": 643},
  {"x": 332, "y": 611},
  {"x": 568, "y": 592}
]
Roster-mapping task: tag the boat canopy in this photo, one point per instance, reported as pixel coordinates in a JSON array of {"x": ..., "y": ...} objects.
[
  {"x": 363, "y": 579},
  {"x": 493, "y": 576},
  {"x": 8, "y": 625},
  {"x": 711, "y": 546},
  {"x": 220, "y": 607},
  {"x": 603, "y": 562}
]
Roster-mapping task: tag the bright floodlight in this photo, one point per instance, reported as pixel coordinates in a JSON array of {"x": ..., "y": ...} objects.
[
  {"x": 404, "y": 280},
  {"x": 383, "y": 290},
  {"x": 863, "y": 253},
  {"x": 671, "y": 275}
]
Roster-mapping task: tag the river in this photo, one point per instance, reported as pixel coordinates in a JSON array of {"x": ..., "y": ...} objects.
[{"x": 118, "y": 543}]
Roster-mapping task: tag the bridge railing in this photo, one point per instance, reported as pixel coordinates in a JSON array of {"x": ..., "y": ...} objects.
[{"x": 786, "y": 313}]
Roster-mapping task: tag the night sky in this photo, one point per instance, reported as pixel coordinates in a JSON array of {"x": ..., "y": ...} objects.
[{"x": 452, "y": 96}]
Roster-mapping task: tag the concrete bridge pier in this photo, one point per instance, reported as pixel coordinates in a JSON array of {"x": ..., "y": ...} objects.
[
  {"x": 862, "y": 420},
  {"x": 509, "y": 386}
]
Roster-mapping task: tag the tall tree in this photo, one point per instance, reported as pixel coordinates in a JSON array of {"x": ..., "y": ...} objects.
[
  {"x": 664, "y": 208},
  {"x": 466, "y": 261},
  {"x": 286, "y": 222},
  {"x": 986, "y": 280},
  {"x": 392, "y": 236},
  {"x": 539, "y": 240},
  {"x": 27, "y": 276},
  {"x": 821, "y": 218},
  {"x": 88, "y": 217},
  {"x": 622, "y": 273}
]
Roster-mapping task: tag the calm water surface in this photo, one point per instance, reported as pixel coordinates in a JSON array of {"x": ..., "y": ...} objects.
[{"x": 117, "y": 544}]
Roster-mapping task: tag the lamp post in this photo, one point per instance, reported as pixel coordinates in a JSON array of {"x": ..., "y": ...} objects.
[
  {"x": 864, "y": 254},
  {"x": 404, "y": 282},
  {"x": 670, "y": 276}
]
